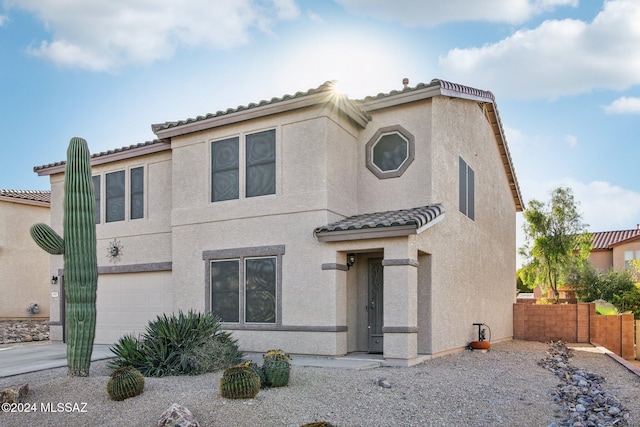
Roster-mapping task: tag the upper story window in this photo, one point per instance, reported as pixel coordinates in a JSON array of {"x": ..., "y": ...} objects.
[
  {"x": 259, "y": 166},
  {"x": 466, "y": 192},
  {"x": 390, "y": 151},
  {"x": 630, "y": 256},
  {"x": 119, "y": 187}
]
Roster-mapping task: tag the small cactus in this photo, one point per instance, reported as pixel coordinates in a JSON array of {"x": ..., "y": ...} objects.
[
  {"x": 276, "y": 355},
  {"x": 125, "y": 382},
  {"x": 258, "y": 370},
  {"x": 277, "y": 367},
  {"x": 239, "y": 382}
]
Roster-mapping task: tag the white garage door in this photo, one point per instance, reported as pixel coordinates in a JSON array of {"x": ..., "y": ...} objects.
[{"x": 126, "y": 302}]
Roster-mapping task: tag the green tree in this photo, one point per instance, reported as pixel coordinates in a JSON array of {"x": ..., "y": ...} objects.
[
  {"x": 556, "y": 241},
  {"x": 616, "y": 287}
]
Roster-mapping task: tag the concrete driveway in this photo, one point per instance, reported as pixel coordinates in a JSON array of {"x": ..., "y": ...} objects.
[{"x": 19, "y": 359}]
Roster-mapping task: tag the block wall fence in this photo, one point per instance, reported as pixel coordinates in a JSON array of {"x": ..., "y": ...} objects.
[{"x": 575, "y": 323}]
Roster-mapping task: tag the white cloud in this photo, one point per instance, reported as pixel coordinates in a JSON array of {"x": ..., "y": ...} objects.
[
  {"x": 315, "y": 17},
  {"x": 106, "y": 35},
  {"x": 571, "y": 140},
  {"x": 3, "y": 19},
  {"x": 604, "y": 206},
  {"x": 623, "y": 105},
  {"x": 431, "y": 13},
  {"x": 559, "y": 57}
]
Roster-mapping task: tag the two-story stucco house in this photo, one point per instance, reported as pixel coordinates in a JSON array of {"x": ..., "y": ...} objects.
[
  {"x": 24, "y": 267},
  {"x": 314, "y": 223},
  {"x": 614, "y": 249}
]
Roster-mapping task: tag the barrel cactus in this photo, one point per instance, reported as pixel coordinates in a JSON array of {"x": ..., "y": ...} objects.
[
  {"x": 277, "y": 367},
  {"x": 78, "y": 246},
  {"x": 125, "y": 382},
  {"x": 258, "y": 370},
  {"x": 239, "y": 382}
]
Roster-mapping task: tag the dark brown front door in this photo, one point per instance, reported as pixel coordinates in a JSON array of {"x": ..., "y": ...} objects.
[{"x": 375, "y": 305}]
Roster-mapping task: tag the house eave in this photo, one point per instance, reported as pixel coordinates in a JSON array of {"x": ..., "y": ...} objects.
[
  {"x": 109, "y": 157},
  {"x": 366, "y": 233},
  {"x": 24, "y": 201},
  {"x": 324, "y": 97},
  {"x": 375, "y": 233}
]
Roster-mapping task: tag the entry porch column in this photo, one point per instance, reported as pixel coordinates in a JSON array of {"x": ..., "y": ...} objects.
[{"x": 400, "y": 308}]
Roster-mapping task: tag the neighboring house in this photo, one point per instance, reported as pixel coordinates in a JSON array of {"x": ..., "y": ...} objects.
[
  {"x": 24, "y": 267},
  {"x": 313, "y": 223},
  {"x": 614, "y": 249}
]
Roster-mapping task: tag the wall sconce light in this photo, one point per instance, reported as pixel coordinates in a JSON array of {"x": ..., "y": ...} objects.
[
  {"x": 54, "y": 280},
  {"x": 351, "y": 259}
]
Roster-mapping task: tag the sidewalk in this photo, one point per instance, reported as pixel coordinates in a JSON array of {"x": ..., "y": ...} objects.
[{"x": 23, "y": 358}]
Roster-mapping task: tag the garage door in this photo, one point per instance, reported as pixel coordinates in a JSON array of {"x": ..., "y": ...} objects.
[{"x": 126, "y": 302}]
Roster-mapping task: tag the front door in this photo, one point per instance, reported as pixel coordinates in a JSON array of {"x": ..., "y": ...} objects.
[{"x": 374, "y": 305}]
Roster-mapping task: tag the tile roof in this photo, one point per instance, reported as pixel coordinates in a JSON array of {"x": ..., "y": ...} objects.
[
  {"x": 603, "y": 240},
  {"x": 414, "y": 218},
  {"x": 325, "y": 87},
  {"x": 449, "y": 86},
  {"x": 115, "y": 151},
  {"x": 43, "y": 196}
]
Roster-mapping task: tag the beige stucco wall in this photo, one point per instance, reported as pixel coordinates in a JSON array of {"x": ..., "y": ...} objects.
[
  {"x": 24, "y": 267},
  {"x": 472, "y": 261},
  {"x": 619, "y": 250},
  {"x": 602, "y": 260}
]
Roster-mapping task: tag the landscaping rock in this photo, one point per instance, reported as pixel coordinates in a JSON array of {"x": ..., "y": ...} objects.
[
  {"x": 14, "y": 394},
  {"x": 17, "y": 331},
  {"x": 580, "y": 393},
  {"x": 177, "y": 416},
  {"x": 382, "y": 382}
]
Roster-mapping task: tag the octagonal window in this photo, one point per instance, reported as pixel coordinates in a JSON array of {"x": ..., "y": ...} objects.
[{"x": 390, "y": 152}]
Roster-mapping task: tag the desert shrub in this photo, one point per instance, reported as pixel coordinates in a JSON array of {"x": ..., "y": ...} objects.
[{"x": 186, "y": 344}]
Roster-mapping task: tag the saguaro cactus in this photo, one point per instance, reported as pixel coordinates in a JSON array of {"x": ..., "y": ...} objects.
[{"x": 79, "y": 250}]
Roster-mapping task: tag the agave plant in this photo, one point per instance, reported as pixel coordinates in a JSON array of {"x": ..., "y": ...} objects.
[{"x": 182, "y": 344}]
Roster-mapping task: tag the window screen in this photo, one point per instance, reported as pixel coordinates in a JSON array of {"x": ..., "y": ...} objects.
[
  {"x": 224, "y": 170},
  {"x": 115, "y": 196},
  {"x": 225, "y": 290},
  {"x": 261, "y": 163},
  {"x": 137, "y": 193},
  {"x": 260, "y": 290}
]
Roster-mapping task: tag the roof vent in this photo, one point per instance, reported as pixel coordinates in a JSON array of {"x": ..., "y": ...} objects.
[{"x": 405, "y": 83}]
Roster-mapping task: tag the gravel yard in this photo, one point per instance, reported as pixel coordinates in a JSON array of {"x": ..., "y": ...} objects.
[{"x": 504, "y": 387}]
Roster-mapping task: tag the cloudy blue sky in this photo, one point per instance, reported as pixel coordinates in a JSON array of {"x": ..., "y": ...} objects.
[{"x": 565, "y": 73}]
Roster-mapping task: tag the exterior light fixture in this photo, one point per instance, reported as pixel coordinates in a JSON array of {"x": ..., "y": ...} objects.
[{"x": 351, "y": 259}]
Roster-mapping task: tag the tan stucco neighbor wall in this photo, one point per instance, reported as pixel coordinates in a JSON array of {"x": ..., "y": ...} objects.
[
  {"x": 620, "y": 249},
  {"x": 602, "y": 261},
  {"x": 24, "y": 267}
]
